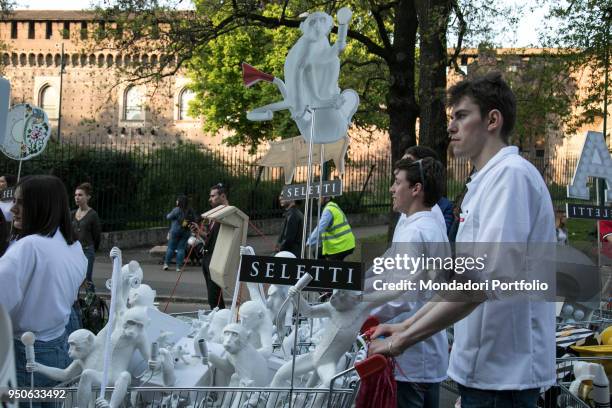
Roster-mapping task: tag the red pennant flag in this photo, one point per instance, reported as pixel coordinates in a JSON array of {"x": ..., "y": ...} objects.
[{"x": 251, "y": 75}]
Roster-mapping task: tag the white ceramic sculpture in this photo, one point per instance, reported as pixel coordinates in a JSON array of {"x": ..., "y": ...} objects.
[
  {"x": 212, "y": 328},
  {"x": 346, "y": 314},
  {"x": 8, "y": 377},
  {"x": 143, "y": 295},
  {"x": 164, "y": 361},
  {"x": 248, "y": 366},
  {"x": 127, "y": 337},
  {"x": 254, "y": 317},
  {"x": 80, "y": 350},
  {"x": 311, "y": 73}
]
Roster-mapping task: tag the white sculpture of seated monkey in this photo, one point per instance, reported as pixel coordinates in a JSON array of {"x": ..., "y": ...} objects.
[
  {"x": 311, "y": 73},
  {"x": 127, "y": 337},
  {"x": 248, "y": 366},
  {"x": 254, "y": 317},
  {"x": 80, "y": 350}
]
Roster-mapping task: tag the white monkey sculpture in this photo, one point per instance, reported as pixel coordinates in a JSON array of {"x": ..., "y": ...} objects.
[{"x": 311, "y": 72}]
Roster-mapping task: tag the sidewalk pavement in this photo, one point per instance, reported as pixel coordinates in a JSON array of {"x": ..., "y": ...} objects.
[{"x": 189, "y": 292}]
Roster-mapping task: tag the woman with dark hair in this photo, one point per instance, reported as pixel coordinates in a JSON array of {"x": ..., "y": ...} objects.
[
  {"x": 86, "y": 224},
  {"x": 180, "y": 217},
  {"x": 41, "y": 272}
]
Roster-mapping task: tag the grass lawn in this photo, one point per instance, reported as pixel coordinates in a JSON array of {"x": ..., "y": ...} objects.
[{"x": 580, "y": 230}]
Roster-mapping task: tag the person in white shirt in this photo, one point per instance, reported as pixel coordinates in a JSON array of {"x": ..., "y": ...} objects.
[
  {"x": 416, "y": 189},
  {"x": 41, "y": 272},
  {"x": 443, "y": 208},
  {"x": 504, "y": 350}
]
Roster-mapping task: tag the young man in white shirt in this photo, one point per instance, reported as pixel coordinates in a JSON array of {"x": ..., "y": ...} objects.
[
  {"x": 503, "y": 352},
  {"x": 416, "y": 189}
]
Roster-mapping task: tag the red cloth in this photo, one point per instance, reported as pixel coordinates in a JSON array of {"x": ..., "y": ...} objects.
[
  {"x": 605, "y": 228},
  {"x": 379, "y": 390}
]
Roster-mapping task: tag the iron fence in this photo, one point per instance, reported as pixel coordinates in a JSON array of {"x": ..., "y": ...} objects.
[{"x": 135, "y": 184}]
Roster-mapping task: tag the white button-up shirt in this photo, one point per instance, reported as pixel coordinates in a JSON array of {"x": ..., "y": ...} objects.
[
  {"x": 437, "y": 213},
  {"x": 426, "y": 361},
  {"x": 39, "y": 282},
  {"x": 506, "y": 344}
]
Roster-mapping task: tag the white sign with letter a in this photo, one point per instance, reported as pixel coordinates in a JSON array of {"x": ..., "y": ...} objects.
[{"x": 594, "y": 161}]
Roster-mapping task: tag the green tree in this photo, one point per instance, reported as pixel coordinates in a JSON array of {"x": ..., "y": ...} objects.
[
  {"x": 582, "y": 29},
  {"x": 379, "y": 63}
]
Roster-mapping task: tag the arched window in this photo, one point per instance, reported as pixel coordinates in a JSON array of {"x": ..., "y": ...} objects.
[
  {"x": 49, "y": 101},
  {"x": 134, "y": 104},
  {"x": 185, "y": 96}
]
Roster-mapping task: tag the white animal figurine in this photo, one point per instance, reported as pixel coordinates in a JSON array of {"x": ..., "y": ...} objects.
[
  {"x": 127, "y": 337},
  {"x": 80, "y": 350},
  {"x": 254, "y": 317},
  {"x": 312, "y": 68},
  {"x": 212, "y": 328},
  {"x": 247, "y": 367},
  {"x": 143, "y": 295}
]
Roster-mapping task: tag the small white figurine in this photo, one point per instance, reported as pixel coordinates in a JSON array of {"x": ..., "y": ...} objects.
[
  {"x": 80, "y": 347},
  {"x": 254, "y": 317},
  {"x": 164, "y": 361},
  {"x": 212, "y": 329},
  {"x": 127, "y": 337},
  {"x": 346, "y": 314},
  {"x": 248, "y": 366},
  {"x": 143, "y": 295},
  {"x": 311, "y": 73}
]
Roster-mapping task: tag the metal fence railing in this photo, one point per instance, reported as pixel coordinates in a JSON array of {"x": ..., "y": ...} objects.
[{"x": 135, "y": 184}]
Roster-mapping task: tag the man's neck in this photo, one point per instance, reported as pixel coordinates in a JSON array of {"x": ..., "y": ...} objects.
[
  {"x": 490, "y": 149},
  {"x": 415, "y": 208}
]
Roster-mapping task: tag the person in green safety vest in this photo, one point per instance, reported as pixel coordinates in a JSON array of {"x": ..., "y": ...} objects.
[{"x": 334, "y": 233}]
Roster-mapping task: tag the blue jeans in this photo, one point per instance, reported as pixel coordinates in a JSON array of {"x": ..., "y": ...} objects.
[
  {"x": 52, "y": 353},
  {"x": 76, "y": 319},
  {"x": 90, "y": 254},
  {"x": 418, "y": 395},
  {"x": 177, "y": 242},
  {"x": 475, "y": 398}
]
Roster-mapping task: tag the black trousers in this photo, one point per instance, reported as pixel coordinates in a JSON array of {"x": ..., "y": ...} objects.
[
  {"x": 339, "y": 256},
  {"x": 215, "y": 293}
]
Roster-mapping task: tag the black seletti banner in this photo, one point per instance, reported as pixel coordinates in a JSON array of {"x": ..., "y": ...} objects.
[
  {"x": 287, "y": 271},
  {"x": 590, "y": 212}
]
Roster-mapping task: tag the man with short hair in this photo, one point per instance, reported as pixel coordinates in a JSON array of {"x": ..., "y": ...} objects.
[
  {"x": 504, "y": 350},
  {"x": 416, "y": 190},
  {"x": 290, "y": 238},
  {"x": 217, "y": 196},
  {"x": 444, "y": 207}
]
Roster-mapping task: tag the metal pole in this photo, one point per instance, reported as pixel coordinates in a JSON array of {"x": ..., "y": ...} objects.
[
  {"x": 607, "y": 18},
  {"x": 320, "y": 197},
  {"x": 308, "y": 177},
  {"x": 59, "y": 108},
  {"x": 600, "y": 183},
  {"x": 305, "y": 225}
]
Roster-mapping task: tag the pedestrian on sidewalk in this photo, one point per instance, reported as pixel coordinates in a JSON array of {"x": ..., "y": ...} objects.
[
  {"x": 333, "y": 232},
  {"x": 290, "y": 238},
  {"x": 218, "y": 196},
  {"x": 86, "y": 225},
  {"x": 181, "y": 217}
]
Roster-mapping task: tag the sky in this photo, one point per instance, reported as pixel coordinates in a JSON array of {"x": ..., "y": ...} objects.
[{"x": 524, "y": 36}]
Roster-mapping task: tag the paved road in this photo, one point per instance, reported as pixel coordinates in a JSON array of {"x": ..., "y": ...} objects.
[{"x": 189, "y": 291}]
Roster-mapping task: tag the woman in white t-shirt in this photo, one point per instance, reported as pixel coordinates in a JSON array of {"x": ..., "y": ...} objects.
[{"x": 41, "y": 272}]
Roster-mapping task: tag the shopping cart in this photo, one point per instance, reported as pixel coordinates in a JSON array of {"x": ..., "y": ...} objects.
[{"x": 341, "y": 393}]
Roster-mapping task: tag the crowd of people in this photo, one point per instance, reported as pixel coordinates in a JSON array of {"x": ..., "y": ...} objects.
[{"x": 503, "y": 352}]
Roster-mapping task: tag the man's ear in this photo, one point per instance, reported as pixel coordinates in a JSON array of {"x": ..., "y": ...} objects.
[{"x": 495, "y": 120}]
